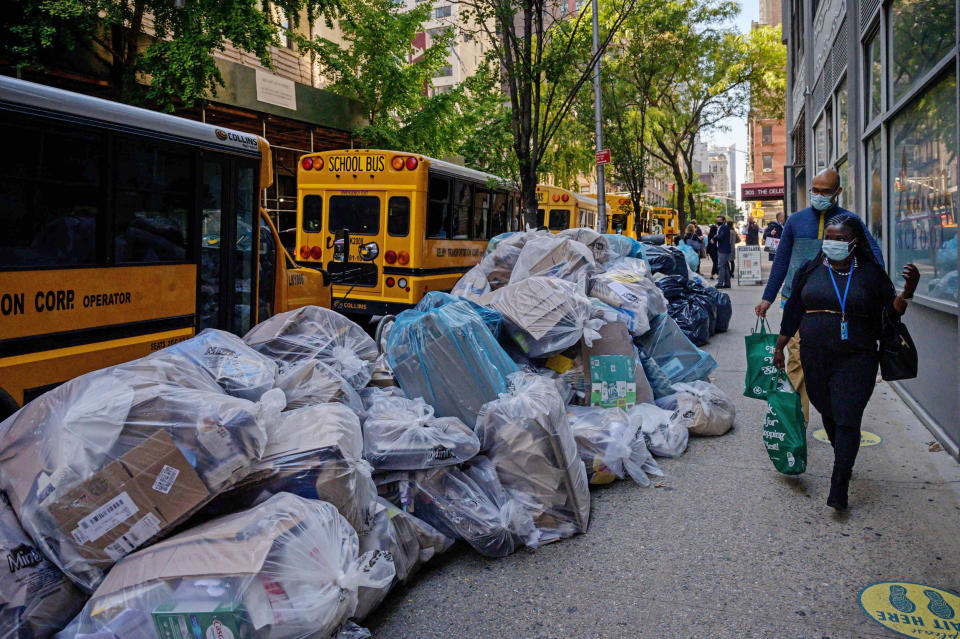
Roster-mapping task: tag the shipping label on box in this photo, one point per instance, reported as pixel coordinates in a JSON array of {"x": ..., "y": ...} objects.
[{"x": 612, "y": 381}]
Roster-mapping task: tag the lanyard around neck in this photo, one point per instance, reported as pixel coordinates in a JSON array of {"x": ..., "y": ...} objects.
[{"x": 843, "y": 300}]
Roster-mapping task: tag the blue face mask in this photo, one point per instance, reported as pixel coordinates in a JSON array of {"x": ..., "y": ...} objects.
[
  {"x": 821, "y": 202},
  {"x": 837, "y": 250}
]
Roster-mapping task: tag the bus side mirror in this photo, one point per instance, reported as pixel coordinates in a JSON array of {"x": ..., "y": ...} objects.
[{"x": 341, "y": 246}]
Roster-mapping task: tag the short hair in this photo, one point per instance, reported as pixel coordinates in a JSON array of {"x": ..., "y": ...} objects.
[{"x": 722, "y": 217}]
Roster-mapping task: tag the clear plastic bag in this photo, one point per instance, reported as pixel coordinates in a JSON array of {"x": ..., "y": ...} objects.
[
  {"x": 472, "y": 285},
  {"x": 702, "y": 407},
  {"x": 110, "y": 460},
  {"x": 623, "y": 246},
  {"x": 288, "y": 568},
  {"x": 665, "y": 436},
  {"x": 450, "y": 358},
  {"x": 598, "y": 244},
  {"x": 611, "y": 445},
  {"x": 676, "y": 355},
  {"x": 552, "y": 256},
  {"x": 36, "y": 599},
  {"x": 314, "y": 333},
  {"x": 315, "y": 452},
  {"x": 404, "y": 434},
  {"x": 526, "y": 435},
  {"x": 545, "y": 315},
  {"x": 313, "y": 382},
  {"x": 626, "y": 285},
  {"x": 436, "y": 299},
  {"x": 238, "y": 369}
]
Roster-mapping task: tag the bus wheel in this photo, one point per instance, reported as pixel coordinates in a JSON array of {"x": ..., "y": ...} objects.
[
  {"x": 7, "y": 405},
  {"x": 382, "y": 326}
]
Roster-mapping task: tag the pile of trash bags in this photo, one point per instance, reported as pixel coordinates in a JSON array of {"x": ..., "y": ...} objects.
[{"x": 287, "y": 479}]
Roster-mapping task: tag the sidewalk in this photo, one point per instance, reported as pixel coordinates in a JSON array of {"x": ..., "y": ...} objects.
[{"x": 727, "y": 548}]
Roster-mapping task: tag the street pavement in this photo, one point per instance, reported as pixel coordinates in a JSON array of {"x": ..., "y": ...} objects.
[{"x": 725, "y": 548}]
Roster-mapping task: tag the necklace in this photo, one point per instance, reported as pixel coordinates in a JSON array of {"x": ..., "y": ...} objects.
[{"x": 827, "y": 263}]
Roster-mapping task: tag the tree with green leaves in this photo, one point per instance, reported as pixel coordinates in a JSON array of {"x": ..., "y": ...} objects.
[{"x": 152, "y": 51}]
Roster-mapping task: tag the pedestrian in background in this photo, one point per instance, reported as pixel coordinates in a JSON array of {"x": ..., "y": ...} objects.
[
  {"x": 801, "y": 241},
  {"x": 690, "y": 239},
  {"x": 774, "y": 230},
  {"x": 725, "y": 240},
  {"x": 837, "y": 302},
  {"x": 753, "y": 232},
  {"x": 712, "y": 250}
]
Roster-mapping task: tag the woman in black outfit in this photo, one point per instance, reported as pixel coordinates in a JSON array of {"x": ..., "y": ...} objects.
[
  {"x": 712, "y": 249},
  {"x": 837, "y": 303}
]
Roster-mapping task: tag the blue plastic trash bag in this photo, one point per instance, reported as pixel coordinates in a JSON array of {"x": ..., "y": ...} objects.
[
  {"x": 449, "y": 357},
  {"x": 659, "y": 382},
  {"x": 622, "y": 245},
  {"x": 436, "y": 299},
  {"x": 677, "y": 357},
  {"x": 692, "y": 257}
]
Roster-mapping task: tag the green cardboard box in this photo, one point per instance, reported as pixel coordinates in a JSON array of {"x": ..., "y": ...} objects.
[
  {"x": 200, "y": 620},
  {"x": 613, "y": 381}
]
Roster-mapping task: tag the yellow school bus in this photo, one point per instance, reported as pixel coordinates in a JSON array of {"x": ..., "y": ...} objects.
[
  {"x": 125, "y": 231},
  {"x": 560, "y": 209},
  {"x": 416, "y": 224},
  {"x": 620, "y": 217},
  {"x": 665, "y": 221}
]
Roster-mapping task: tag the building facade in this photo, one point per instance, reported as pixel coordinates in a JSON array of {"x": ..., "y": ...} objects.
[
  {"x": 467, "y": 48},
  {"x": 872, "y": 91}
]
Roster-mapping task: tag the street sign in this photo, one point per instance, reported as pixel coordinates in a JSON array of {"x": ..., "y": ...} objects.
[
  {"x": 748, "y": 264},
  {"x": 603, "y": 156}
]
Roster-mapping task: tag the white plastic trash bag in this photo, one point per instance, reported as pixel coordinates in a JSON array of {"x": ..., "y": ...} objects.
[
  {"x": 472, "y": 285},
  {"x": 314, "y": 333},
  {"x": 404, "y": 434},
  {"x": 666, "y": 437},
  {"x": 314, "y": 382},
  {"x": 110, "y": 460},
  {"x": 553, "y": 256},
  {"x": 626, "y": 285},
  {"x": 702, "y": 407},
  {"x": 525, "y": 433},
  {"x": 597, "y": 243},
  {"x": 289, "y": 568},
  {"x": 611, "y": 445}
]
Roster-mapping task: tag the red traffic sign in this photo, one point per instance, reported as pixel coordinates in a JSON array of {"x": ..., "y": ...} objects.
[{"x": 603, "y": 156}]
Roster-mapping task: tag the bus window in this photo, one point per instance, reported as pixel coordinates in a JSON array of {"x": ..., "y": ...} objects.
[
  {"x": 246, "y": 194},
  {"x": 360, "y": 214},
  {"x": 398, "y": 216},
  {"x": 498, "y": 213},
  {"x": 559, "y": 219},
  {"x": 438, "y": 194},
  {"x": 460, "y": 218},
  {"x": 212, "y": 203},
  {"x": 618, "y": 222},
  {"x": 313, "y": 213},
  {"x": 153, "y": 202},
  {"x": 540, "y": 216},
  {"x": 51, "y": 214},
  {"x": 267, "y": 274},
  {"x": 481, "y": 212}
]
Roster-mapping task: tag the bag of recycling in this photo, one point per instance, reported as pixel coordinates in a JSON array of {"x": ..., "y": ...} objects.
[
  {"x": 622, "y": 246},
  {"x": 525, "y": 433},
  {"x": 691, "y": 318},
  {"x": 313, "y": 382},
  {"x": 288, "y": 568},
  {"x": 315, "y": 452},
  {"x": 691, "y": 255},
  {"x": 436, "y": 299},
  {"x": 472, "y": 285},
  {"x": 626, "y": 286},
  {"x": 36, "y": 599},
  {"x": 553, "y": 256},
  {"x": 702, "y": 407},
  {"x": 545, "y": 315},
  {"x": 611, "y": 445},
  {"x": 312, "y": 333},
  {"x": 404, "y": 434},
  {"x": 471, "y": 504},
  {"x": 674, "y": 353},
  {"x": 666, "y": 436},
  {"x": 596, "y": 242},
  {"x": 761, "y": 373},
  {"x": 450, "y": 358},
  {"x": 784, "y": 429},
  {"x": 659, "y": 383},
  {"x": 108, "y": 461},
  {"x": 238, "y": 369},
  {"x": 372, "y": 394}
]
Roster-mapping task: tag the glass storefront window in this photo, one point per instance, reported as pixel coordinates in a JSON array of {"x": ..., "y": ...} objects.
[
  {"x": 923, "y": 190},
  {"x": 874, "y": 188},
  {"x": 846, "y": 195},
  {"x": 841, "y": 103},
  {"x": 820, "y": 144},
  {"x": 921, "y": 33},
  {"x": 874, "y": 78}
]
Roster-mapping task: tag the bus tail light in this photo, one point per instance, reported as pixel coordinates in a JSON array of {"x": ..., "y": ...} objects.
[
  {"x": 307, "y": 163},
  {"x": 315, "y": 252},
  {"x": 564, "y": 197},
  {"x": 317, "y": 164},
  {"x": 390, "y": 257},
  {"x": 390, "y": 282},
  {"x": 412, "y": 163},
  {"x": 397, "y": 163},
  {"x": 556, "y": 197},
  {"x": 403, "y": 257},
  {"x": 304, "y": 252}
]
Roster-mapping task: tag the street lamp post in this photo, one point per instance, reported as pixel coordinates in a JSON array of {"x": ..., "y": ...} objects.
[{"x": 598, "y": 121}]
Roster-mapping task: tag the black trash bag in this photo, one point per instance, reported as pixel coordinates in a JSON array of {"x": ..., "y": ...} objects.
[
  {"x": 724, "y": 309},
  {"x": 701, "y": 295},
  {"x": 692, "y": 318},
  {"x": 673, "y": 286},
  {"x": 668, "y": 260}
]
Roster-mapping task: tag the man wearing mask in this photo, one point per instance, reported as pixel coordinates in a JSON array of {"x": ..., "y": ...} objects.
[
  {"x": 724, "y": 251},
  {"x": 800, "y": 241},
  {"x": 774, "y": 230}
]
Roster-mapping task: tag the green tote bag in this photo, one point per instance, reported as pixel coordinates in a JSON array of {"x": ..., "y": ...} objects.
[
  {"x": 760, "y": 345},
  {"x": 784, "y": 431}
]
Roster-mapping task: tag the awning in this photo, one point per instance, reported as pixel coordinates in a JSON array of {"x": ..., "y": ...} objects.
[{"x": 761, "y": 191}]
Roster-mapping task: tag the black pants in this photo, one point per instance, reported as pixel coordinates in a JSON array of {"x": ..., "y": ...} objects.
[{"x": 839, "y": 386}]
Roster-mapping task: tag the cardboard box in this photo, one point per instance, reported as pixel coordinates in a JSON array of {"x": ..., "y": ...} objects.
[
  {"x": 201, "y": 620},
  {"x": 611, "y": 368},
  {"x": 130, "y": 500}
]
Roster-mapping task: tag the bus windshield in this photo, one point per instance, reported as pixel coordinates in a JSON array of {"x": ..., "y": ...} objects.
[
  {"x": 618, "y": 222},
  {"x": 559, "y": 219}
]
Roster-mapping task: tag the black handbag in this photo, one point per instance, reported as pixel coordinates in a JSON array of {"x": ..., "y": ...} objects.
[{"x": 898, "y": 354}]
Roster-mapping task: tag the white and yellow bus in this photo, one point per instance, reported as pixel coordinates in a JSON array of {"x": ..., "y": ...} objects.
[
  {"x": 559, "y": 209},
  {"x": 416, "y": 224},
  {"x": 620, "y": 216},
  {"x": 126, "y": 231}
]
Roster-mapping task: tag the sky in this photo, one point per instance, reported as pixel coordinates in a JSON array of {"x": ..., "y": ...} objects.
[{"x": 736, "y": 132}]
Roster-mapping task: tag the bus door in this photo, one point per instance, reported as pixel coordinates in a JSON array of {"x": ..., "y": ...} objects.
[
  {"x": 227, "y": 274},
  {"x": 363, "y": 214}
]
